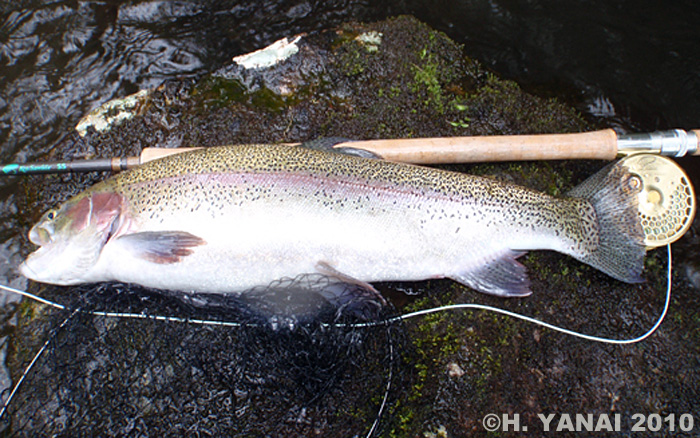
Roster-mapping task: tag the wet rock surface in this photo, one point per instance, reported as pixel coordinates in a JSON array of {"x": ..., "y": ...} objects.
[{"x": 435, "y": 375}]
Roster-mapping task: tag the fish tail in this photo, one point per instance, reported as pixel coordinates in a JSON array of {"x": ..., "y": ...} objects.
[{"x": 619, "y": 250}]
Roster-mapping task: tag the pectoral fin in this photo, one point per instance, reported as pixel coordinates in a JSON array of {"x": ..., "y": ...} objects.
[
  {"x": 503, "y": 277},
  {"x": 162, "y": 247}
]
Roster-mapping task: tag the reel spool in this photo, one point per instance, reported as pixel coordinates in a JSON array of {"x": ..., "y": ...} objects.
[{"x": 666, "y": 200}]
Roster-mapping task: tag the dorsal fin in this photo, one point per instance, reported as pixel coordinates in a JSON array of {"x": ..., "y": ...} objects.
[{"x": 327, "y": 144}]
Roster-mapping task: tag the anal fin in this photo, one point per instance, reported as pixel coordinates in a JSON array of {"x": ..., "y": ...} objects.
[
  {"x": 504, "y": 276},
  {"x": 162, "y": 247}
]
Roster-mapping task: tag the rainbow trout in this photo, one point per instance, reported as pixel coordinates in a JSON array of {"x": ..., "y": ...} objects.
[{"x": 231, "y": 218}]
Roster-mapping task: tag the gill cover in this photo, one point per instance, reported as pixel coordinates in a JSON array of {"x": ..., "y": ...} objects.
[{"x": 71, "y": 238}]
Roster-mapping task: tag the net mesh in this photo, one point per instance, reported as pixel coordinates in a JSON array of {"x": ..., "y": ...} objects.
[{"x": 290, "y": 363}]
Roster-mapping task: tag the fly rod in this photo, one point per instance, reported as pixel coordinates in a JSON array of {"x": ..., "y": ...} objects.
[{"x": 595, "y": 145}]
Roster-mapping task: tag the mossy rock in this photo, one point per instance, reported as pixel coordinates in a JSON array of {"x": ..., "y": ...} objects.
[{"x": 446, "y": 371}]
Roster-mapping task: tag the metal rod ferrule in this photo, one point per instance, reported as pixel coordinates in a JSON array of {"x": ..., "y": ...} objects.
[{"x": 675, "y": 143}]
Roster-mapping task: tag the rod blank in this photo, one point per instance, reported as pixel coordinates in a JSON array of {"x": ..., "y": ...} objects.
[
  {"x": 97, "y": 165},
  {"x": 595, "y": 145}
]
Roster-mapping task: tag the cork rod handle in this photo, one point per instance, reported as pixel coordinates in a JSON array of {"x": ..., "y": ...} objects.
[
  {"x": 150, "y": 154},
  {"x": 600, "y": 145}
]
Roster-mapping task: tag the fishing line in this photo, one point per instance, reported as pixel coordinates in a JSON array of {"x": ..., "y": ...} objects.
[
  {"x": 537, "y": 321},
  {"x": 123, "y": 315},
  {"x": 407, "y": 316},
  {"x": 34, "y": 361},
  {"x": 389, "y": 379},
  {"x": 386, "y": 322}
]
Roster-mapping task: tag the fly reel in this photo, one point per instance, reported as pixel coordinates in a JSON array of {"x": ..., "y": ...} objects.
[{"x": 666, "y": 199}]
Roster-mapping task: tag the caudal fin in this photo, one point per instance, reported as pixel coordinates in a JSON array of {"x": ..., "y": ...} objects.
[{"x": 613, "y": 193}]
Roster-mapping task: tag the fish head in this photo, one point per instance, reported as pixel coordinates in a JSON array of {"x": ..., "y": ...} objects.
[{"x": 71, "y": 238}]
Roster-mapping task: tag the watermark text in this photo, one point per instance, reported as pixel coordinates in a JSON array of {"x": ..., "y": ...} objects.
[{"x": 561, "y": 422}]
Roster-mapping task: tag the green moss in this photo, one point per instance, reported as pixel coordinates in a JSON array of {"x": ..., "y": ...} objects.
[
  {"x": 354, "y": 58},
  {"x": 265, "y": 98},
  {"x": 27, "y": 309},
  {"x": 218, "y": 92},
  {"x": 426, "y": 81},
  {"x": 464, "y": 121},
  {"x": 432, "y": 73},
  {"x": 436, "y": 339}
]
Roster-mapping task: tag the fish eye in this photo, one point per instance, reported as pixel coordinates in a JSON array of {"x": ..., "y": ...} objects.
[{"x": 51, "y": 215}]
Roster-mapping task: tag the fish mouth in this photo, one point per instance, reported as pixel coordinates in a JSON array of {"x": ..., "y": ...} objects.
[
  {"x": 27, "y": 271},
  {"x": 37, "y": 268}
]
